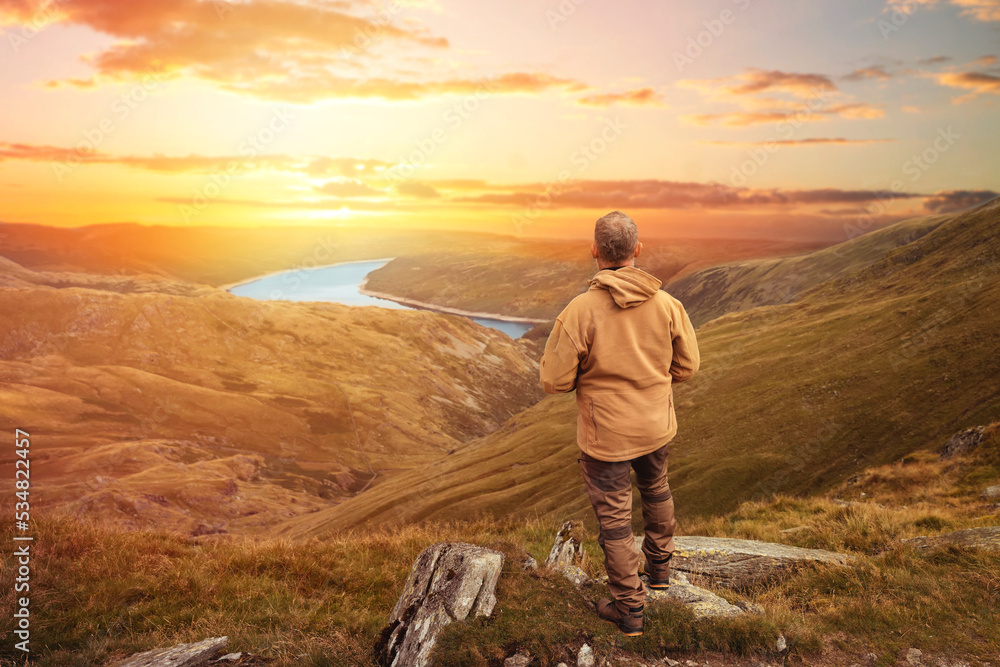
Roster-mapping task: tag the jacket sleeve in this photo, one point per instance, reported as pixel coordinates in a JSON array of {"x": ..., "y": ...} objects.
[
  {"x": 686, "y": 359},
  {"x": 561, "y": 361}
]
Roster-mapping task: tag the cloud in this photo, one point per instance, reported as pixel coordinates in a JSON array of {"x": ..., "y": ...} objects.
[
  {"x": 950, "y": 201},
  {"x": 854, "y": 110},
  {"x": 316, "y": 166},
  {"x": 273, "y": 49},
  {"x": 637, "y": 97},
  {"x": 908, "y": 6},
  {"x": 980, "y": 83},
  {"x": 658, "y": 194},
  {"x": 349, "y": 189},
  {"x": 981, "y": 10},
  {"x": 984, "y": 61},
  {"x": 417, "y": 190},
  {"x": 745, "y": 92},
  {"x": 814, "y": 141},
  {"x": 754, "y": 81},
  {"x": 911, "y": 109},
  {"x": 868, "y": 73},
  {"x": 934, "y": 60}
]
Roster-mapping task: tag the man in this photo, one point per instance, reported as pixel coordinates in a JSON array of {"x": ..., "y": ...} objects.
[{"x": 621, "y": 345}]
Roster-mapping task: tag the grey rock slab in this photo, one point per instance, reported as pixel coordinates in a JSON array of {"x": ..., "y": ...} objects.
[
  {"x": 181, "y": 655},
  {"x": 703, "y": 603},
  {"x": 449, "y": 582},
  {"x": 740, "y": 564},
  {"x": 991, "y": 492},
  {"x": 979, "y": 538}
]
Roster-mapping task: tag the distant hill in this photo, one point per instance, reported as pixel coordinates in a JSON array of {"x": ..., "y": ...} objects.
[
  {"x": 153, "y": 401},
  {"x": 742, "y": 285},
  {"x": 538, "y": 277},
  {"x": 858, "y": 371}
]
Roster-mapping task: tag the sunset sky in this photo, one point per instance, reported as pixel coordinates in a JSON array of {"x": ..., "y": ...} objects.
[{"x": 748, "y": 118}]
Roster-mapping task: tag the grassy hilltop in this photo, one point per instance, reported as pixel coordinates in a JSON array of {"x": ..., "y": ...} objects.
[{"x": 100, "y": 594}]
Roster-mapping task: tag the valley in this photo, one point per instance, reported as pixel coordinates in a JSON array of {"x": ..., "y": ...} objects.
[{"x": 791, "y": 398}]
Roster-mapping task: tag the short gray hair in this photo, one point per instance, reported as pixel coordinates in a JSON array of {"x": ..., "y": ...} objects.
[{"x": 616, "y": 237}]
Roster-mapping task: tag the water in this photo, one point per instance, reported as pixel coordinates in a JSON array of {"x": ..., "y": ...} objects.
[{"x": 340, "y": 283}]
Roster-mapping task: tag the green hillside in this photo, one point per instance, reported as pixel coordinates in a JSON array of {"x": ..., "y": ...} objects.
[{"x": 793, "y": 398}]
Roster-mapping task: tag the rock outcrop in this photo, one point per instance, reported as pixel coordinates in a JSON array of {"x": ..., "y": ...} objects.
[
  {"x": 702, "y": 602},
  {"x": 978, "y": 538},
  {"x": 181, "y": 655},
  {"x": 963, "y": 441},
  {"x": 448, "y": 582},
  {"x": 741, "y": 564},
  {"x": 566, "y": 554},
  {"x": 991, "y": 493}
]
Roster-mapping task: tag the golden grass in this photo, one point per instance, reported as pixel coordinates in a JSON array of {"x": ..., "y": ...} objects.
[{"x": 99, "y": 595}]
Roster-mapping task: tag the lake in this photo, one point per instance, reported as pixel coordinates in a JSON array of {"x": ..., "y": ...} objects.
[{"x": 341, "y": 283}]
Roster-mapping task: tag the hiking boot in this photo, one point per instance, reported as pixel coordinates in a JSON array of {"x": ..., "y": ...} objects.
[
  {"x": 658, "y": 570},
  {"x": 628, "y": 621}
]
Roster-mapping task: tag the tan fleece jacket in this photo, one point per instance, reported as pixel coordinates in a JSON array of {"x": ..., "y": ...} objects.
[{"x": 621, "y": 344}]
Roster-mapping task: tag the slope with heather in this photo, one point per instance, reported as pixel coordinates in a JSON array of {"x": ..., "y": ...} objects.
[{"x": 793, "y": 398}]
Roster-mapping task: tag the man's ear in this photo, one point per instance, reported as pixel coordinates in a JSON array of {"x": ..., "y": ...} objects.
[
  {"x": 638, "y": 249},
  {"x": 593, "y": 249}
]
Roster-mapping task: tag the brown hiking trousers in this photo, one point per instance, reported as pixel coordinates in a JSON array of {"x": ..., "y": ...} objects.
[{"x": 610, "y": 489}]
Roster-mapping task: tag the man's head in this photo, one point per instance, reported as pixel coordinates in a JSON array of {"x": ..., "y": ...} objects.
[{"x": 616, "y": 240}]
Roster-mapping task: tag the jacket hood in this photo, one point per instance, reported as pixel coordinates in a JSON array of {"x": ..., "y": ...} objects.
[{"x": 628, "y": 285}]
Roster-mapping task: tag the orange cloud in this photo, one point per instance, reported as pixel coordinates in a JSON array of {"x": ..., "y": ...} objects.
[
  {"x": 637, "y": 97},
  {"x": 755, "y": 80},
  {"x": 309, "y": 165},
  {"x": 349, "y": 189},
  {"x": 980, "y": 83},
  {"x": 869, "y": 73},
  {"x": 981, "y": 10},
  {"x": 657, "y": 194},
  {"x": 417, "y": 190},
  {"x": 274, "y": 49},
  {"x": 815, "y": 141},
  {"x": 804, "y": 114}
]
